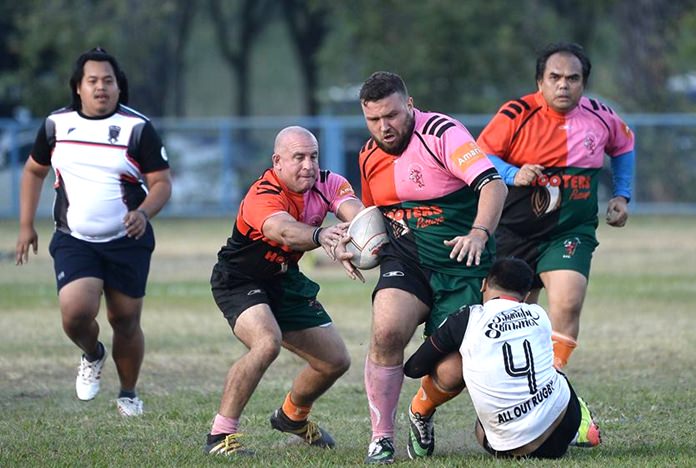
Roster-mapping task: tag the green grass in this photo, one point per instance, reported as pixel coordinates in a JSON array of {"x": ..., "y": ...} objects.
[{"x": 634, "y": 364}]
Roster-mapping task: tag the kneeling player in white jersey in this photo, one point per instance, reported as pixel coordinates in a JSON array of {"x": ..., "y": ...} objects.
[{"x": 525, "y": 407}]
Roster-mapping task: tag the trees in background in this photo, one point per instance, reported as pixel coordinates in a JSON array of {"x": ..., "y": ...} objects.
[
  {"x": 459, "y": 57},
  {"x": 146, "y": 37}
]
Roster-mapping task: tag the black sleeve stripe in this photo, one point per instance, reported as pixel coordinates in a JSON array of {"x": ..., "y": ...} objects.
[
  {"x": 324, "y": 175},
  {"x": 435, "y": 125},
  {"x": 595, "y": 106},
  {"x": 315, "y": 189},
  {"x": 437, "y": 160},
  {"x": 606, "y": 125},
  {"x": 606, "y": 108},
  {"x": 261, "y": 191},
  {"x": 363, "y": 169},
  {"x": 508, "y": 114},
  {"x": 444, "y": 128},
  {"x": 430, "y": 122},
  {"x": 367, "y": 146},
  {"x": 515, "y": 107},
  {"x": 524, "y": 122},
  {"x": 523, "y": 103},
  {"x": 485, "y": 177},
  {"x": 265, "y": 187}
]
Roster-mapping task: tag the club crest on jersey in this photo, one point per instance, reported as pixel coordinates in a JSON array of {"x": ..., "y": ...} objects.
[
  {"x": 590, "y": 143},
  {"x": 415, "y": 175},
  {"x": 569, "y": 246},
  {"x": 114, "y": 132}
]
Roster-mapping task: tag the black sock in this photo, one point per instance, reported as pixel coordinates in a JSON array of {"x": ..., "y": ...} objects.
[
  {"x": 98, "y": 354},
  {"x": 126, "y": 394}
]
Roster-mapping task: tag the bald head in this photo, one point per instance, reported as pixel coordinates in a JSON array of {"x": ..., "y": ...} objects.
[
  {"x": 291, "y": 135},
  {"x": 296, "y": 158}
]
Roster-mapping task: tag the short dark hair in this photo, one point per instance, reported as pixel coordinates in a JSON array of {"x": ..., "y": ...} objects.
[
  {"x": 511, "y": 274},
  {"x": 568, "y": 47},
  {"x": 98, "y": 55},
  {"x": 380, "y": 85}
]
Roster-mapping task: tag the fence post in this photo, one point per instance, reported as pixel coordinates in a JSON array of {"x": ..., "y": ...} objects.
[{"x": 332, "y": 145}]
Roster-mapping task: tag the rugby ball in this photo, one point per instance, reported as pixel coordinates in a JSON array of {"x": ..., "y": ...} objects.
[{"x": 367, "y": 235}]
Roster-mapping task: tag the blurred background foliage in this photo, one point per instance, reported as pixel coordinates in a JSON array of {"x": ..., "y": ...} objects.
[{"x": 191, "y": 58}]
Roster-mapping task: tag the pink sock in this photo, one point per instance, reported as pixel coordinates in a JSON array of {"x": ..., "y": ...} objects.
[
  {"x": 383, "y": 386},
  {"x": 224, "y": 425}
]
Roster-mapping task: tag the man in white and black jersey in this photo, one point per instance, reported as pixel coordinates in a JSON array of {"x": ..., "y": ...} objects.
[
  {"x": 112, "y": 177},
  {"x": 503, "y": 351}
]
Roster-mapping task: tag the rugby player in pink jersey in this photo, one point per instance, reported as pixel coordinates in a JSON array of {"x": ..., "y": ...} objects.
[{"x": 441, "y": 198}]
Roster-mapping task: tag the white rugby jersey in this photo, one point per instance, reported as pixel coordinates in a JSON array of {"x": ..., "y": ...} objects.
[
  {"x": 507, "y": 362},
  {"x": 99, "y": 164}
]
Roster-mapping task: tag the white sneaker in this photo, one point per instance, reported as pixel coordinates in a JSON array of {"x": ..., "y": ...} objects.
[
  {"x": 129, "y": 406},
  {"x": 89, "y": 377}
]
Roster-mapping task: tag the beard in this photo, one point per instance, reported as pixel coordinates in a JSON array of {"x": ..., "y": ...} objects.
[{"x": 399, "y": 145}]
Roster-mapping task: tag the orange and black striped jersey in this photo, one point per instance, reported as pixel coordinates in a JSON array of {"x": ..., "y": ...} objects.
[{"x": 248, "y": 253}]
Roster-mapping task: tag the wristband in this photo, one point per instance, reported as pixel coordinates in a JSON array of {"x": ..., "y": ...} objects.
[
  {"x": 482, "y": 228},
  {"x": 315, "y": 235},
  {"x": 140, "y": 210}
]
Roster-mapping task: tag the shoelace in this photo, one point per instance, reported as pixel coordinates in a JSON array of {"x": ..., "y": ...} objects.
[
  {"x": 87, "y": 369},
  {"x": 380, "y": 445},
  {"x": 312, "y": 432},
  {"x": 230, "y": 443},
  {"x": 421, "y": 424}
]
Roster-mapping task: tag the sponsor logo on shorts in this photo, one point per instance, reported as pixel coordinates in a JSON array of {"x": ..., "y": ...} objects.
[
  {"x": 254, "y": 291},
  {"x": 391, "y": 274},
  {"x": 570, "y": 245},
  {"x": 61, "y": 275}
]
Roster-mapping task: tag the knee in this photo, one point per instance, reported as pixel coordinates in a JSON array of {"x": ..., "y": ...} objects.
[
  {"x": 340, "y": 366},
  {"x": 74, "y": 320},
  {"x": 387, "y": 342},
  {"x": 333, "y": 368},
  {"x": 266, "y": 349},
  {"x": 125, "y": 325}
]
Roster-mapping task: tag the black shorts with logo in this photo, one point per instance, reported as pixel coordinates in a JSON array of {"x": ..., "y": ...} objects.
[
  {"x": 291, "y": 296},
  {"x": 123, "y": 264},
  {"x": 444, "y": 294}
]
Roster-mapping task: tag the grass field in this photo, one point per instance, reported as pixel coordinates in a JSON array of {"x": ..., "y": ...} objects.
[{"x": 635, "y": 364}]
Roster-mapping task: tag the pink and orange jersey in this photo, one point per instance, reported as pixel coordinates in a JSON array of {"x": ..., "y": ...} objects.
[
  {"x": 528, "y": 131},
  {"x": 570, "y": 146},
  {"x": 248, "y": 252},
  {"x": 428, "y": 193}
]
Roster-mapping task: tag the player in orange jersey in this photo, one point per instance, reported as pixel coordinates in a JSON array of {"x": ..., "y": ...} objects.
[
  {"x": 268, "y": 302},
  {"x": 549, "y": 148}
]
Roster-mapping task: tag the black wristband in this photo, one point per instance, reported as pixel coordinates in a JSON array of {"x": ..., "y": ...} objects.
[
  {"x": 482, "y": 228},
  {"x": 315, "y": 235},
  {"x": 141, "y": 211}
]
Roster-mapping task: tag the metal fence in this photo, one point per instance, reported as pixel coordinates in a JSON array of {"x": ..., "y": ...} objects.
[{"x": 214, "y": 160}]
